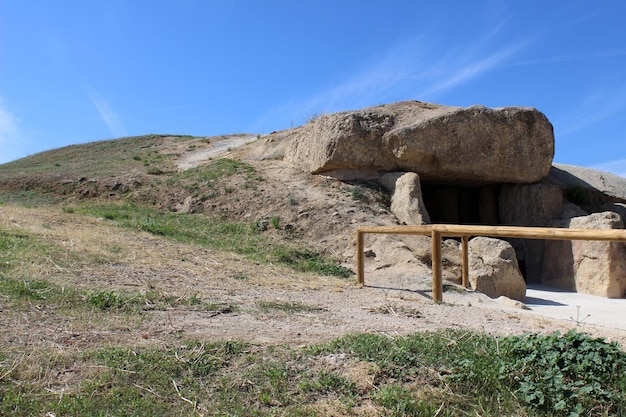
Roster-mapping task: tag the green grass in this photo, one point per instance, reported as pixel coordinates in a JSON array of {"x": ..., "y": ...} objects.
[
  {"x": 288, "y": 307},
  {"x": 469, "y": 373},
  {"x": 445, "y": 373},
  {"x": 96, "y": 159},
  {"x": 216, "y": 233},
  {"x": 21, "y": 293}
]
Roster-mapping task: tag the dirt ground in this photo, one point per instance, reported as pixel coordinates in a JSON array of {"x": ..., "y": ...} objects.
[{"x": 395, "y": 300}]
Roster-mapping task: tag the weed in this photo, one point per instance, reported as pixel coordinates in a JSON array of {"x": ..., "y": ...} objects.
[
  {"x": 307, "y": 261},
  {"x": 357, "y": 193},
  {"x": 288, "y": 307},
  {"x": 241, "y": 276},
  {"x": 106, "y": 300},
  {"x": 275, "y": 222},
  {"x": 568, "y": 374}
]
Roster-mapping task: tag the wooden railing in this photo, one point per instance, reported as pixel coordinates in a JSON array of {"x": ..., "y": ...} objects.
[{"x": 438, "y": 231}]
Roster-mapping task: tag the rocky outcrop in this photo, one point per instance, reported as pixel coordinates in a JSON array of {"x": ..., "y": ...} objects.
[
  {"x": 589, "y": 267},
  {"x": 440, "y": 143},
  {"x": 406, "y": 197},
  {"x": 576, "y": 179},
  {"x": 493, "y": 269},
  {"x": 473, "y": 165},
  {"x": 530, "y": 205}
]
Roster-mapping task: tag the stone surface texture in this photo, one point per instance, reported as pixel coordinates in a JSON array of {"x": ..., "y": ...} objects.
[
  {"x": 589, "y": 267},
  {"x": 493, "y": 269},
  {"x": 440, "y": 143},
  {"x": 406, "y": 197}
]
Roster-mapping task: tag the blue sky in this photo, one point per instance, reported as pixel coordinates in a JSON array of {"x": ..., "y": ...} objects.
[{"x": 76, "y": 71}]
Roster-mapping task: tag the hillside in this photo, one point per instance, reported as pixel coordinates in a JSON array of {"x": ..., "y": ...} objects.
[
  {"x": 159, "y": 241},
  {"x": 237, "y": 197}
]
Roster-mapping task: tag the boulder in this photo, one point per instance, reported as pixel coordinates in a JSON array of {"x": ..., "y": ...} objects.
[
  {"x": 493, "y": 269},
  {"x": 406, "y": 197},
  {"x": 440, "y": 143},
  {"x": 530, "y": 205},
  {"x": 587, "y": 266}
]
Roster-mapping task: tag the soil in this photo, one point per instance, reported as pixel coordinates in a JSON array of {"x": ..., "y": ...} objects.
[{"x": 395, "y": 301}]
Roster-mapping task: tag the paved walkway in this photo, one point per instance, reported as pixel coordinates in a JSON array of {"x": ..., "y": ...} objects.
[{"x": 581, "y": 308}]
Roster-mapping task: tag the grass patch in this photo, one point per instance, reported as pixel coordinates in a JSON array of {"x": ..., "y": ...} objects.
[
  {"x": 21, "y": 293},
  {"x": 95, "y": 159},
  {"x": 445, "y": 373},
  {"x": 288, "y": 307},
  {"x": 216, "y": 233},
  {"x": 469, "y": 373},
  {"x": 207, "y": 179}
]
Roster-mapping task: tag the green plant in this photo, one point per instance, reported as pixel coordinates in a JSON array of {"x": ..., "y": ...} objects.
[
  {"x": 287, "y": 306},
  {"x": 220, "y": 234},
  {"x": 358, "y": 193},
  {"x": 308, "y": 261},
  {"x": 567, "y": 374},
  {"x": 275, "y": 222}
]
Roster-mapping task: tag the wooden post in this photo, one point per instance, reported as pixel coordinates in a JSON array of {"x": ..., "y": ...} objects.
[
  {"x": 360, "y": 263},
  {"x": 465, "y": 261},
  {"x": 437, "y": 267}
]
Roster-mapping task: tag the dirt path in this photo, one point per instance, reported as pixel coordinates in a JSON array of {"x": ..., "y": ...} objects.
[{"x": 218, "y": 147}]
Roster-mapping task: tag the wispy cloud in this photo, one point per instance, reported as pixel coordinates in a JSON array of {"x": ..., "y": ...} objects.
[
  {"x": 611, "y": 53},
  {"x": 106, "y": 112},
  {"x": 468, "y": 69},
  {"x": 414, "y": 68},
  {"x": 596, "y": 107},
  {"x": 9, "y": 136}
]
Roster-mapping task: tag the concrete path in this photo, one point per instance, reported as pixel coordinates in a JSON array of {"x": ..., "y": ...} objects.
[{"x": 579, "y": 308}]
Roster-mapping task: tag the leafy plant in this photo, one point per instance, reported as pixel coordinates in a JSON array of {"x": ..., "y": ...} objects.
[
  {"x": 566, "y": 374},
  {"x": 275, "y": 222}
]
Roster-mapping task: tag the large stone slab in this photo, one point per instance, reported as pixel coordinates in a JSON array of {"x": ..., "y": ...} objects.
[
  {"x": 440, "y": 143},
  {"x": 589, "y": 267},
  {"x": 493, "y": 269}
]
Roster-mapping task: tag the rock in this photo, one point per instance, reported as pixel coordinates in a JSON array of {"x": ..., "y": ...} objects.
[
  {"x": 588, "y": 267},
  {"x": 619, "y": 208},
  {"x": 493, "y": 269},
  {"x": 574, "y": 177},
  {"x": 406, "y": 197},
  {"x": 512, "y": 303},
  {"x": 530, "y": 205},
  {"x": 440, "y": 143}
]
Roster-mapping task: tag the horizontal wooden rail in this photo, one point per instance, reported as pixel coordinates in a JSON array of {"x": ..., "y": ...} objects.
[{"x": 438, "y": 231}]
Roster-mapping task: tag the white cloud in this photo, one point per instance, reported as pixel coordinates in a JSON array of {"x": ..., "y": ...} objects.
[
  {"x": 9, "y": 134},
  {"x": 411, "y": 69},
  {"x": 611, "y": 53},
  {"x": 106, "y": 112},
  {"x": 466, "y": 70}
]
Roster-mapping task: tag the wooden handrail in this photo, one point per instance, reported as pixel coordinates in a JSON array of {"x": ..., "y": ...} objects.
[{"x": 438, "y": 231}]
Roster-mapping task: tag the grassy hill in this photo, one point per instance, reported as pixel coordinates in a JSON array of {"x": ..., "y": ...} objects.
[{"x": 132, "y": 286}]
